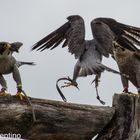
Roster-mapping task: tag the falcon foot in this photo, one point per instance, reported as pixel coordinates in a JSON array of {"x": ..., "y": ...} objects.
[
  {"x": 67, "y": 84},
  {"x": 71, "y": 83},
  {"x": 126, "y": 91},
  {"x": 20, "y": 95},
  {"x": 4, "y": 93}
]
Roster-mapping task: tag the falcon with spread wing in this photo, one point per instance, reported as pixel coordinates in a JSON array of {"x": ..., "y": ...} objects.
[
  {"x": 124, "y": 40},
  {"x": 89, "y": 52}
]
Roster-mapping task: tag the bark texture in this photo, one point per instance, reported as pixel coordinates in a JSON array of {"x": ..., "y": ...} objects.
[
  {"x": 55, "y": 120},
  {"x": 125, "y": 124}
]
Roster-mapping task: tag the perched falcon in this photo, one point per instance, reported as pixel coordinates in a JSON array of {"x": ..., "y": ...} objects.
[
  {"x": 89, "y": 52},
  {"x": 8, "y": 64},
  {"x": 129, "y": 64}
]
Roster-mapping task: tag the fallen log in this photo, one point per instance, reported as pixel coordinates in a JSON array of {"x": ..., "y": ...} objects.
[{"x": 55, "y": 120}]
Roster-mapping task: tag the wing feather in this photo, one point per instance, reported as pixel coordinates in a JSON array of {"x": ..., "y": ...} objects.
[
  {"x": 72, "y": 34},
  {"x": 106, "y": 30}
]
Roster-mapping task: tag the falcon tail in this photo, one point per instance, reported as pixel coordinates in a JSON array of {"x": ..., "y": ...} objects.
[
  {"x": 20, "y": 63},
  {"x": 112, "y": 70},
  {"x": 99, "y": 68}
]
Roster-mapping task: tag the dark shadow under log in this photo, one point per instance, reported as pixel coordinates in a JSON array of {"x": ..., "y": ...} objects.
[
  {"x": 55, "y": 120},
  {"x": 125, "y": 125}
]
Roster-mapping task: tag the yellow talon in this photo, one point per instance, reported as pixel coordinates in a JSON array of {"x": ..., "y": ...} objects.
[
  {"x": 2, "y": 93},
  {"x": 20, "y": 95}
]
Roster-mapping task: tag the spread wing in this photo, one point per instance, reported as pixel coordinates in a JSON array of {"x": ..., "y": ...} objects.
[
  {"x": 105, "y": 30},
  {"x": 72, "y": 34}
]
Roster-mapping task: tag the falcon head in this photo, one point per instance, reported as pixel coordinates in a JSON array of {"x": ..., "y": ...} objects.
[
  {"x": 16, "y": 46},
  {"x": 6, "y": 48}
]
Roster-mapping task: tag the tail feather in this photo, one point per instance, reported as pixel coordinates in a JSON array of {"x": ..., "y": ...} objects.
[
  {"x": 97, "y": 70},
  {"x": 113, "y": 71},
  {"x": 109, "y": 69},
  {"x": 20, "y": 63}
]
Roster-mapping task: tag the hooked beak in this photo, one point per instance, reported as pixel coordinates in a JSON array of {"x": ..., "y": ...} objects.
[{"x": 16, "y": 46}]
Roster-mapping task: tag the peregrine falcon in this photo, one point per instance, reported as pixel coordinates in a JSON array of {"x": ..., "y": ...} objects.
[
  {"x": 129, "y": 64},
  {"x": 8, "y": 64},
  {"x": 89, "y": 52},
  {"x": 120, "y": 40}
]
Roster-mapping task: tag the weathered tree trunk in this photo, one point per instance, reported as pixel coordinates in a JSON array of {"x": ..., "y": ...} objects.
[
  {"x": 125, "y": 125},
  {"x": 55, "y": 120},
  {"x": 65, "y": 121}
]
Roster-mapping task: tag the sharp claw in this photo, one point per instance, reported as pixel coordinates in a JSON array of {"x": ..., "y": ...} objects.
[
  {"x": 20, "y": 95},
  {"x": 65, "y": 86},
  {"x": 70, "y": 84},
  {"x": 3, "y": 93}
]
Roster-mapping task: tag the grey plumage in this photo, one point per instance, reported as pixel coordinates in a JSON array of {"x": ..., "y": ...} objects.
[
  {"x": 8, "y": 63},
  {"x": 72, "y": 34},
  {"x": 89, "y": 52}
]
